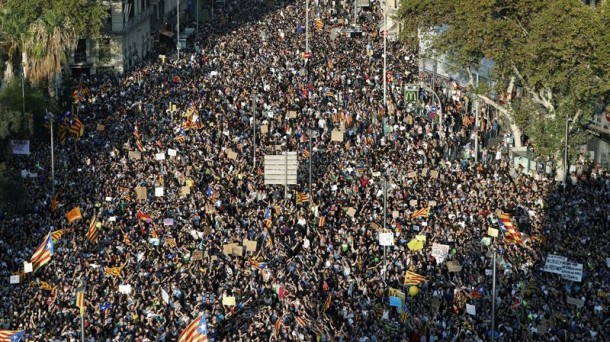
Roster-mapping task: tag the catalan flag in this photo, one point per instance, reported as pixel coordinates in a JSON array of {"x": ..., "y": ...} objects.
[
  {"x": 278, "y": 324},
  {"x": 170, "y": 242},
  {"x": 301, "y": 197},
  {"x": 47, "y": 120},
  {"x": 319, "y": 24},
  {"x": 258, "y": 264},
  {"x": 57, "y": 234},
  {"x": 306, "y": 153},
  {"x": 80, "y": 299},
  {"x": 302, "y": 321},
  {"x": 196, "y": 331},
  {"x": 11, "y": 335},
  {"x": 136, "y": 131},
  {"x": 62, "y": 132},
  {"x": 269, "y": 242},
  {"x": 508, "y": 229},
  {"x": 74, "y": 215},
  {"x": 139, "y": 145},
  {"x": 425, "y": 212},
  {"x": 55, "y": 202},
  {"x": 43, "y": 253},
  {"x": 322, "y": 221},
  {"x": 126, "y": 239},
  {"x": 113, "y": 271},
  {"x": 46, "y": 286},
  {"x": 412, "y": 278},
  {"x": 92, "y": 233},
  {"x": 144, "y": 217},
  {"x": 267, "y": 223},
  {"x": 76, "y": 127}
]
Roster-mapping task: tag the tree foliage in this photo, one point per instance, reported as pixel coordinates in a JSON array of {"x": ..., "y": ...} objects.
[
  {"x": 557, "y": 51},
  {"x": 46, "y": 29}
]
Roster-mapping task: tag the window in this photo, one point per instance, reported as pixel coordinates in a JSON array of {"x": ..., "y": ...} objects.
[{"x": 80, "y": 54}]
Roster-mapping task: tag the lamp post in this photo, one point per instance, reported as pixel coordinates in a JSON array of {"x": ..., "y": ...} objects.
[
  {"x": 254, "y": 98},
  {"x": 178, "y": 29},
  {"x": 385, "y": 214},
  {"x": 385, "y": 59},
  {"x": 51, "y": 118},
  {"x": 493, "y": 295},
  {"x": 565, "y": 155},
  {"x": 306, "y": 26}
]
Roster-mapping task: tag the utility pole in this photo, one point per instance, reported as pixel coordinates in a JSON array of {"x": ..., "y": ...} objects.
[
  {"x": 178, "y": 29},
  {"x": 197, "y": 14},
  {"x": 310, "y": 136},
  {"x": 52, "y": 119},
  {"x": 385, "y": 214},
  {"x": 385, "y": 59},
  {"x": 493, "y": 295},
  {"x": 254, "y": 131},
  {"x": 306, "y": 26},
  {"x": 565, "y": 152}
]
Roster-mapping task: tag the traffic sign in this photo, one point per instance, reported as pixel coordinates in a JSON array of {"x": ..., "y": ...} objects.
[{"x": 411, "y": 93}]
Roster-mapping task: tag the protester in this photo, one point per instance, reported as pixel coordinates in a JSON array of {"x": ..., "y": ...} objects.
[{"x": 317, "y": 270}]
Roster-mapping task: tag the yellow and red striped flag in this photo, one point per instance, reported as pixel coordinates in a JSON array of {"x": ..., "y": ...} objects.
[
  {"x": 55, "y": 202},
  {"x": 92, "y": 233},
  {"x": 302, "y": 321},
  {"x": 80, "y": 299},
  {"x": 196, "y": 331},
  {"x": 46, "y": 286},
  {"x": 113, "y": 271},
  {"x": 327, "y": 302},
  {"x": 11, "y": 335},
  {"x": 278, "y": 324},
  {"x": 322, "y": 221},
  {"x": 57, "y": 234},
  {"x": 171, "y": 242},
  {"x": 412, "y": 278},
  {"x": 425, "y": 212},
  {"x": 301, "y": 197},
  {"x": 43, "y": 253},
  {"x": 74, "y": 215}
]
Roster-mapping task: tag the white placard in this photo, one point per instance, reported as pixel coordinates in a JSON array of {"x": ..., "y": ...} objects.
[
  {"x": 108, "y": 199},
  {"x": 554, "y": 263},
  {"x": 27, "y": 267},
  {"x": 440, "y": 251},
  {"x": 160, "y": 156},
  {"x": 571, "y": 271},
  {"x": 126, "y": 289},
  {"x": 386, "y": 239},
  {"x": 488, "y": 272},
  {"x": 471, "y": 309},
  {"x": 15, "y": 279},
  {"x": 171, "y": 152},
  {"x": 20, "y": 146},
  {"x": 165, "y": 296},
  {"x": 112, "y": 219},
  {"x": 159, "y": 191}
]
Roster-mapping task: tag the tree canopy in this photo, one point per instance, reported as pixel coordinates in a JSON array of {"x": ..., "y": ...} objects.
[
  {"x": 557, "y": 51},
  {"x": 45, "y": 30}
]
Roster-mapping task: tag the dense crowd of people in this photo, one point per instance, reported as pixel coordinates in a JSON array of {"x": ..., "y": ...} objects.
[{"x": 316, "y": 269}]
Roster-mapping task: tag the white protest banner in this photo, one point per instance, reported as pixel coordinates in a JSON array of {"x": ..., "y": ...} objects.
[
  {"x": 171, "y": 152},
  {"x": 471, "y": 309},
  {"x": 575, "y": 301},
  {"x": 386, "y": 239},
  {"x": 440, "y": 251},
  {"x": 168, "y": 222},
  {"x": 554, "y": 263},
  {"x": 15, "y": 279},
  {"x": 159, "y": 191},
  {"x": 571, "y": 271},
  {"x": 126, "y": 289},
  {"x": 27, "y": 267},
  {"x": 165, "y": 296},
  {"x": 160, "y": 156},
  {"x": 20, "y": 146}
]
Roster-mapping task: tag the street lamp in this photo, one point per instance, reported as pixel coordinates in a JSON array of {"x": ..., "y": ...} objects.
[{"x": 565, "y": 156}]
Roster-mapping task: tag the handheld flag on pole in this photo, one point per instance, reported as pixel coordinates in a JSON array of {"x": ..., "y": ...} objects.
[
  {"x": 508, "y": 229},
  {"x": 301, "y": 197},
  {"x": 425, "y": 212},
  {"x": 412, "y": 278},
  {"x": 80, "y": 298},
  {"x": 92, "y": 233},
  {"x": 144, "y": 217},
  {"x": 196, "y": 331},
  {"x": 43, "y": 253},
  {"x": 74, "y": 215},
  {"x": 57, "y": 234},
  {"x": 113, "y": 271},
  {"x": 11, "y": 335}
]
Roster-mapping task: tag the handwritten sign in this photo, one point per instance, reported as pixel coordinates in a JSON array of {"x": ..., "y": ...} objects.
[
  {"x": 336, "y": 135},
  {"x": 135, "y": 155},
  {"x": 571, "y": 271},
  {"x": 554, "y": 263}
]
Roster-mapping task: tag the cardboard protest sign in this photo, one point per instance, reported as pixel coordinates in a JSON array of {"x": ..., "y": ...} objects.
[
  {"x": 171, "y": 152},
  {"x": 336, "y": 135},
  {"x": 197, "y": 255},
  {"x": 395, "y": 214},
  {"x": 351, "y": 212},
  {"x": 100, "y": 127},
  {"x": 440, "y": 251},
  {"x": 135, "y": 155},
  {"x": 231, "y": 154},
  {"x": 141, "y": 192},
  {"x": 453, "y": 266},
  {"x": 264, "y": 129},
  {"x": 228, "y": 248},
  {"x": 412, "y": 174},
  {"x": 185, "y": 190},
  {"x": 424, "y": 172},
  {"x": 292, "y": 114},
  {"x": 160, "y": 156},
  {"x": 250, "y": 245},
  {"x": 575, "y": 301},
  {"x": 375, "y": 226},
  {"x": 237, "y": 250},
  {"x": 434, "y": 174},
  {"x": 413, "y": 203},
  {"x": 420, "y": 237},
  {"x": 432, "y": 203}
]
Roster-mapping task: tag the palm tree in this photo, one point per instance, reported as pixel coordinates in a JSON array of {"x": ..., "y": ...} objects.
[
  {"x": 12, "y": 32},
  {"x": 46, "y": 44}
]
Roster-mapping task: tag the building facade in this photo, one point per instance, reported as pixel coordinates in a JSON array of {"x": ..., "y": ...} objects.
[{"x": 129, "y": 34}]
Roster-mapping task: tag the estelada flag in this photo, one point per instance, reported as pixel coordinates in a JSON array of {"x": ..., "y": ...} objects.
[
  {"x": 412, "y": 278},
  {"x": 74, "y": 215},
  {"x": 425, "y": 212}
]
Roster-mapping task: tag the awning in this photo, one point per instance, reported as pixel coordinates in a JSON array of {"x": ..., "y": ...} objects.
[{"x": 167, "y": 33}]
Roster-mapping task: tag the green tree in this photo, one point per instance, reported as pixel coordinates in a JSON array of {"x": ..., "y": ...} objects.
[
  {"x": 52, "y": 29},
  {"x": 556, "y": 51}
]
